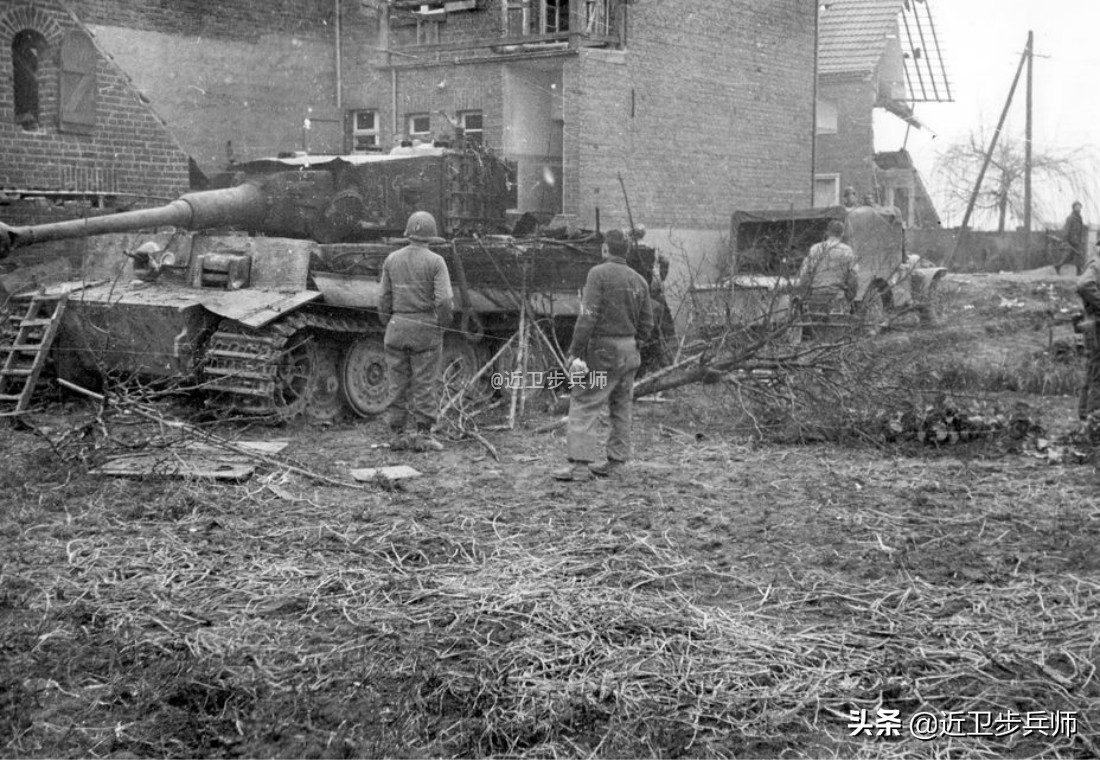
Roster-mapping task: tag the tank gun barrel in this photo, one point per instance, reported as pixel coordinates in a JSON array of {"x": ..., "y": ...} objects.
[{"x": 239, "y": 206}]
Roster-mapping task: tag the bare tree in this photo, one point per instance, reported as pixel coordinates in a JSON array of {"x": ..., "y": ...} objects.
[{"x": 1055, "y": 175}]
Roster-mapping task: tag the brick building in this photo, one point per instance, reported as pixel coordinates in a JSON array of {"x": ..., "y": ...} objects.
[
  {"x": 74, "y": 132},
  {"x": 873, "y": 55},
  {"x": 701, "y": 107},
  {"x": 108, "y": 104}
]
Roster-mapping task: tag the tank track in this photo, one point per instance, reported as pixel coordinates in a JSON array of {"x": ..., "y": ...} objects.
[{"x": 273, "y": 371}]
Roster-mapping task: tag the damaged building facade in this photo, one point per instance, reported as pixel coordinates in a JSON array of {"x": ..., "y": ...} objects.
[
  {"x": 700, "y": 108},
  {"x": 875, "y": 58}
]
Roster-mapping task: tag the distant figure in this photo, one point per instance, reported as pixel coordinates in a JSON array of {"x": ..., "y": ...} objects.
[
  {"x": 1074, "y": 235},
  {"x": 850, "y": 198},
  {"x": 828, "y": 281}
]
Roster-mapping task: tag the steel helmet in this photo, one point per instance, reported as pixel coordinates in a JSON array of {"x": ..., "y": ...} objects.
[{"x": 421, "y": 227}]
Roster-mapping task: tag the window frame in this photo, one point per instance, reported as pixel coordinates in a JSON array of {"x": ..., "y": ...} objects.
[
  {"x": 475, "y": 136},
  {"x": 28, "y": 48},
  {"x": 358, "y": 132},
  {"x": 827, "y": 177},
  {"x": 424, "y": 135}
]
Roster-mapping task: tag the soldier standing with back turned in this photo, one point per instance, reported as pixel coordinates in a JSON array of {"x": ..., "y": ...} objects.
[
  {"x": 416, "y": 304},
  {"x": 616, "y": 316}
]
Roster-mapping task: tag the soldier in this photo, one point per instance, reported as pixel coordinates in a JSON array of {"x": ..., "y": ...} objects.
[
  {"x": 1074, "y": 235},
  {"x": 416, "y": 304},
  {"x": 616, "y": 316},
  {"x": 828, "y": 280},
  {"x": 1088, "y": 287}
]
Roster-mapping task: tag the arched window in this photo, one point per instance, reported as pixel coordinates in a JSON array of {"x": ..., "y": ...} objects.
[{"x": 27, "y": 49}]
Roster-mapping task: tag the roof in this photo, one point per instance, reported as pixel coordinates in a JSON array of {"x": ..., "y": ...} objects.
[{"x": 852, "y": 34}]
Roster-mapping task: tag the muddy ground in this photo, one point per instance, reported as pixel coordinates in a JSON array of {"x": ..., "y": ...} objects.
[{"x": 737, "y": 591}]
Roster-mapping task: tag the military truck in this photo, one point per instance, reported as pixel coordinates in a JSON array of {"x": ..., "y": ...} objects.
[
  {"x": 767, "y": 249},
  {"x": 264, "y": 293}
]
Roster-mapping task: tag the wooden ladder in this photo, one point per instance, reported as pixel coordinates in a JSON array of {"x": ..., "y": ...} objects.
[{"x": 22, "y": 360}]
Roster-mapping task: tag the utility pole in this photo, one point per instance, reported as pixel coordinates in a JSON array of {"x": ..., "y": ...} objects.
[
  {"x": 989, "y": 154},
  {"x": 1027, "y": 151}
]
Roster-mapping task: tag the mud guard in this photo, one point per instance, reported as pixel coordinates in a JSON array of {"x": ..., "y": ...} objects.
[{"x": 254, "y": 308}]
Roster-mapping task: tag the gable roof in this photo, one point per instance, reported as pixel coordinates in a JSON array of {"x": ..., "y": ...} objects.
[{"x": 852, "y": 34}]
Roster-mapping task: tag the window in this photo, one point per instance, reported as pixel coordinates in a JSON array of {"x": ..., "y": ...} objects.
[
  {"x": 555, "y": 16},
  {"x": 419, "y": 126},
  {"x": 826, "y": 190},
  {"x": 364, "y": 131},
  {"x": 826, "y": 115},
  {"x": 597, "y": 17},
  {"x": 471, "y": 122},
  {"x": 27, "y": 48},
  {"x": 78, "y": 84}
]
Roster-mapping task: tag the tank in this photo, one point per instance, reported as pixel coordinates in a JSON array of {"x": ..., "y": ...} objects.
[{"x": 264, "y": 294}]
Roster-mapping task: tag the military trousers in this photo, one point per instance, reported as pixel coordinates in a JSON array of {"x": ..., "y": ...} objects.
[
  {"x": 612, "y": 365},
  {"x": 1089, "y": 400},
  {"x": 414, "y": 354}
]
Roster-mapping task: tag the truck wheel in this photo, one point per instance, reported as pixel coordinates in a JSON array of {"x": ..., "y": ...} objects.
[
  {"x": 872, "y": 312},
  {"x": 366, "y": 387}
]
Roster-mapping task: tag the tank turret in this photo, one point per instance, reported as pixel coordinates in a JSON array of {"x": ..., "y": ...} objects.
[{"x": 328, "y": 199}]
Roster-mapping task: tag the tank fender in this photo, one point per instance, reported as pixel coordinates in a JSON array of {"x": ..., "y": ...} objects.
[{"x": 254, "y": 308}]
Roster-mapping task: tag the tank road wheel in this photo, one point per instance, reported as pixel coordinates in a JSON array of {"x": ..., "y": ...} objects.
[
  {"x": 296, "y": 376},
  {"x": 326, "y": 402},
  {"x": 366, "y": 386}
]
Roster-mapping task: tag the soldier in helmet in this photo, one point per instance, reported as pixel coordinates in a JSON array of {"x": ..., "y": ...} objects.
[{"x": 416, "y": 304}]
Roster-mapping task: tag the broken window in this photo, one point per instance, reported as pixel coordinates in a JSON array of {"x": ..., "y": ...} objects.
[
  {"x": 364, "y": 131},
  {"x": 553, "y": 16},
  {"x": 27, "y": 49},
  {"x": 597, "y": 17}
]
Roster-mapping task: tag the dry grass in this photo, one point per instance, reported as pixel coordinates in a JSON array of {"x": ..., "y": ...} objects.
[
  {"x": 275, "y": 619},
  {"x": 726, "y": 598}
]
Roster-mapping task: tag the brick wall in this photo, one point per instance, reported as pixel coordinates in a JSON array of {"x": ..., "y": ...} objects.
[
  {"x": 129, "y": 151},
  {"x": 473, "y": 87},
  {"x": 247, "y": 20},
  {"x": 850, "y": 151},
  {"x": 707, "y": 110},
  {"x": 232, "y": 79}
]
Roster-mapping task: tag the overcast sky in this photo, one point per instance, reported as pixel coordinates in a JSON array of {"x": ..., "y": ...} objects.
[{"x": 983, "y": 41}]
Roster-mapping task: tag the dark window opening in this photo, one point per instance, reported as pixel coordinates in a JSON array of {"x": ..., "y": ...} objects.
[
  {"x": 557, "y": 16},
  {"x": 472, "y": 127},
  {"x": 27, "y": 49}
]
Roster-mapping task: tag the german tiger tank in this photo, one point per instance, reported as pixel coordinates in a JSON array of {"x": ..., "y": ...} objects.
[{"x": 263, "y": 293}]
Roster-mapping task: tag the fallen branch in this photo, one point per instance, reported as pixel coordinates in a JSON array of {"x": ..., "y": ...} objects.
[{"x": 207, "y": 437}]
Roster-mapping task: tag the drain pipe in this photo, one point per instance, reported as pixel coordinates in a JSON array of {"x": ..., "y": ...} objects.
[{"x": 339, "y": 63}]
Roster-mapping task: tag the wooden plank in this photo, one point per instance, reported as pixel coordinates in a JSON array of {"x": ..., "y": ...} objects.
[
  {"x": 193, "y": 460},
  {"x": 395, "y": 472}
]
